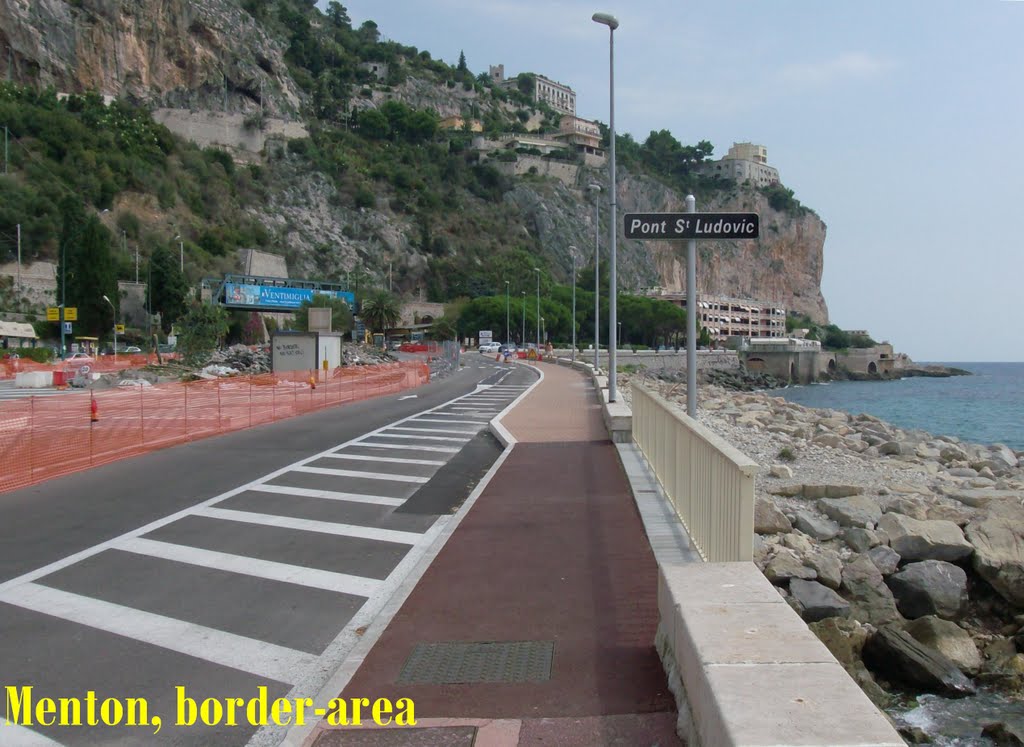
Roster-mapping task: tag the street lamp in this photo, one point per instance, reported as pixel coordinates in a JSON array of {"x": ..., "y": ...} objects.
[
  {"x": 572, "y": 250},
  {"x": 596, "y": 189},
  {"x": 618, "y": 339},
  {"x": 544, "y": 329},
  {"x": 537, "y": 270},
  {"x": 506, "y": 312},
  {"x": 181, "y": 252},
  {"x": 522, "y": 337},
  {"x": 612, "y": 23},
  {"x": 115, "y": 325}
]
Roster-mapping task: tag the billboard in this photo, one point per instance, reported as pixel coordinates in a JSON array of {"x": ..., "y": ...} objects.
[
  {"x": 275, "y": 297},
  {"x": 293, "y": 351}
]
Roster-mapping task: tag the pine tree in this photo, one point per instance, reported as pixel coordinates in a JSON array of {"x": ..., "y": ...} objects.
[
  {"x": 462, "y": 62},
  {"x": 167, "y": 291},
  {"x": 87, "y": 272}
]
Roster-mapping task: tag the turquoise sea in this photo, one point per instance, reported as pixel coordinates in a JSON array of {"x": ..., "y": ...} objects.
[{"x": 985, "y": 408}]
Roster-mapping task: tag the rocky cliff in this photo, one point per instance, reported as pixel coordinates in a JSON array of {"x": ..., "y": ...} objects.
[{"x": 169, "y": 52}]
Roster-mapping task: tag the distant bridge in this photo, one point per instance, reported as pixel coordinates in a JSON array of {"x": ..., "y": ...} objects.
[{"x": 259, "y": 293}]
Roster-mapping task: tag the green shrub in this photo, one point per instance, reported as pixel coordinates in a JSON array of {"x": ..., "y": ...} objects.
[{"x": 786, "y": 454}]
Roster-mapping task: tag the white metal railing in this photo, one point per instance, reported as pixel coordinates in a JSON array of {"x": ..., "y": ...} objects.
[{"x": 709, "y": 482}]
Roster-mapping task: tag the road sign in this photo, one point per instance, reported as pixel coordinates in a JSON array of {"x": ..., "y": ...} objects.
[
  {"x": 71, "y": 314},
  {"x": 692, "y": 225},
  {"x": 67, "y": 328},
  {"x": 119, "y": 328},
  {"x": 52, "y": 314},
  {"x": 485, "y": 336}
]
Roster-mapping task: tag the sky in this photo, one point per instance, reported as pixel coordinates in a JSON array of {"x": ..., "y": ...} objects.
[{"x": 900, "y": 122}]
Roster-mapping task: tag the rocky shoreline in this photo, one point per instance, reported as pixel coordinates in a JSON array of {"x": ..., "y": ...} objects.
[{"x": 903, "y": 550}]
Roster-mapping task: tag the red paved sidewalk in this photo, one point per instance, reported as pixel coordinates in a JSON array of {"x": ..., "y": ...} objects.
[{"x": 553, "y": 550}]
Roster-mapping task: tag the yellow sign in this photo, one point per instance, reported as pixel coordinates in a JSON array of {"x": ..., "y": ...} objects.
[
  {"x": 52, "y": 314},
  {"x": 532, "y": 355},
  {"x": 119, "y": 328},
  {"x": 71, "y": 314}
]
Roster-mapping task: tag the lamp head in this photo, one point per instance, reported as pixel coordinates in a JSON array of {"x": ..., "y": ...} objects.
[
  {"x": 607, "y": 19},
  {"x": 594, "y": 187},
  {"x": 106, "y": 299}
]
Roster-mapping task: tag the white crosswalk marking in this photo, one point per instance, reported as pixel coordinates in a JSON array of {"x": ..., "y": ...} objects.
[
  {"x": 408, "y": 447},
  {"x": 311, "y": 525},
  {"x": 256, "y": 657},
  {"x": 293, "y": 574},
  {"x": 357, "y": 473},
  {"x": 390, "y": 460},
  {"x": 414, "y": 437},
  {"x": 331, "y": 495}
]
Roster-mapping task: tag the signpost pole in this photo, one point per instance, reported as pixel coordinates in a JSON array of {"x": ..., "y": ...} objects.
[{"x": 691, "y": 317}]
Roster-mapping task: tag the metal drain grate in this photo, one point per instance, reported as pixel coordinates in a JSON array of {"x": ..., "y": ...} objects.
[{"x": 457, "y": 663}]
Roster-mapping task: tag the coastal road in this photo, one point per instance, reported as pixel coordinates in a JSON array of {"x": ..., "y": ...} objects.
[{"x": 249, "y": 560}]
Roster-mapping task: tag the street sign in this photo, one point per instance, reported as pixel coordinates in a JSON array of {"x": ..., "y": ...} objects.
[
  {"x": 692, "y": 225},
  {"x": 71, "y": 314},
  {"x": 67, "y": 328},
  {"x": 485, "y": 336},
  {"x": 52, "y": 314},
  {"x": 119, "y": 328}
]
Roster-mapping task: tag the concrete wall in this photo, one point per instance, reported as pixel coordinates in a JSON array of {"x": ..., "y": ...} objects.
[
  {"x": 721, "y": 359},
  {"x": 861, "y": 360},
  {"x": 796, "y": 366},
  {"x": 255, "y": 262},
  {"x": 133, "y": 304},
  {"x": 38, "y": 281},
  {"x": 568, "y": 173},
  {"x": 207, "y": 128}
]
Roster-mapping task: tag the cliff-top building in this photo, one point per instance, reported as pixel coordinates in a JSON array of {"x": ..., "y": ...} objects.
[
  {"x": 558, "y": 96},
  {"x": 744, "y": 162}
]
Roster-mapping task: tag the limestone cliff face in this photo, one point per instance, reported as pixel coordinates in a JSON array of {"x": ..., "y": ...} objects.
[
  {"x": 783, "y": 266},
  {"x": 174, "y": 53}
]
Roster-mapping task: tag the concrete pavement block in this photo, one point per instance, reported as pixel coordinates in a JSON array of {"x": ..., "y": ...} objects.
[{"x": 721, "y": 583}]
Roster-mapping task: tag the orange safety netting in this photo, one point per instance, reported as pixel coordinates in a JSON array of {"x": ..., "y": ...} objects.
[
  {"x": 45, "y": 437},
  {"x": 102, "y": 364}
]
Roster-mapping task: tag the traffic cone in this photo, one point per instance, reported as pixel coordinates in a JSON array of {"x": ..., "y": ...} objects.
[{"x": 94, "y": 411}]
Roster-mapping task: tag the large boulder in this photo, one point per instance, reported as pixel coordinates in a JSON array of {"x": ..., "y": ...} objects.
[
  {"x": 948, "y": 638},
  {"x": 925, "y": 540},
  {"x": 862, "y": 540},
  {"x": 786, "y": 565},
  {"x": 871, "y": 601},
  {"x": 816, "y": 526},
  {"x": 768, "y": 519},
  {"x": 827, "y": 565},
  {"x": 930, "y": 587},
  {"x": 855, "y": 511},
  {"x": 885, "y": 559},
  {"x": 999, "y": 555},
  {"x": 816, "y": 602},
  {"x": 898, "y": 657}
]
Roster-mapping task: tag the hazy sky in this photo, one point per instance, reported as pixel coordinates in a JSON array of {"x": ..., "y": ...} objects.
[{"x": 900, "y": 122}]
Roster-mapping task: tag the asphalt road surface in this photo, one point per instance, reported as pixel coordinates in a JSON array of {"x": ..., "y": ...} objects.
[{"x": 249, "y": 560}]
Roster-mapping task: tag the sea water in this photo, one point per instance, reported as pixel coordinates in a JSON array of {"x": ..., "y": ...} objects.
[{"x": 985, "y": 408}]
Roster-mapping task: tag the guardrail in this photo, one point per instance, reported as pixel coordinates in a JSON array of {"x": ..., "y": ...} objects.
[{"x": 709, "y": 482}]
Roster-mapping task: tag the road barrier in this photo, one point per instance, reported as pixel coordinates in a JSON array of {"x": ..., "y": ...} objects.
[
  {"x": 709, "y": 481},
  {"x": 46, "y": 437}
]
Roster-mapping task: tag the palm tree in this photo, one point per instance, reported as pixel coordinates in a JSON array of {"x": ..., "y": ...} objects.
[{"x": 381, "y": 311}]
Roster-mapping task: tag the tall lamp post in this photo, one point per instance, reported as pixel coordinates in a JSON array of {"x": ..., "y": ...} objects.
[
  {"x": 596, "y": 189},
  {"x": 522, "y": 337},
  {"x": 506, "y": 312},
  {"x": 181, "y": 251},
  {"x": 612, "y": 23},
  {"x": 115, "y": 325},
  {"x": 537, "y": 270},
  {"x": 572, "y": 250}
]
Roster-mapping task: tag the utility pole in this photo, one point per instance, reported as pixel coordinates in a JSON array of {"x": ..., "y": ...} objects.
[
  {"x": 5, "y": 149},
  {"x": 506, "y": 312},
  {"x": 19, "y": 258},
  {"x": 573, "y": 320},
  {"x": 136, "y": 264},
  {"x": 522, "y": 337},
  {"x": 391, "y": 282}
]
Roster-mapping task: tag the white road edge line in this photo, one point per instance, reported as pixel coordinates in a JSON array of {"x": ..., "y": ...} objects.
[
  {"x": 260, "y": 658},
  {"x": 314, "y": 578}
]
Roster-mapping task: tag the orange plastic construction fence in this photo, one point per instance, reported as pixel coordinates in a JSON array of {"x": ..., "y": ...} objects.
[
  {"x": 105, "y": 363},
  {"x": 45, "y": 437}
]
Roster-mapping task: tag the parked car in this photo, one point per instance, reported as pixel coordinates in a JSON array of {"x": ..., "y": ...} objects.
[
  {"x": 79, "y": 358},
  {"x": 133, "y": 349},
  {"x": 490, "y": 347}
]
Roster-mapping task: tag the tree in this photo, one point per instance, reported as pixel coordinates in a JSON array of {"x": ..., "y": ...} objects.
[
  {"x": 341, "y": 314},
  {"x": 338, "y": 14},
  {"x": 381, "y": 311},
  {"x": 462, "y": 68},
  {"x": 203, "y": 330},
  {"x": 168, "y": 289},
  {"x": 89, "y": 273},
  {"x": 372, "y": 124},
  {"x": 443, "y": 328}
]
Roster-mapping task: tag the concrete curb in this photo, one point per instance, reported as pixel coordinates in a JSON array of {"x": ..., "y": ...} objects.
[{"x": 299, "y": 736}]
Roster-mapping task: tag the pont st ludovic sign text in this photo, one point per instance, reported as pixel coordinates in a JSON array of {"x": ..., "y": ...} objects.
[{"x": 692, "y": 225}]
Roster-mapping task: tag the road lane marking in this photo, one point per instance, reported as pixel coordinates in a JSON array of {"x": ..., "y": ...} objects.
[
  {"x": 314, "y": 578},
  {"x": 446, "y": 422},
  {"x": 356, "y": 473},
  {"x": 312, "y": 525},
  {"x": 390, "y": 460},
  {"x": 428, "y": 429},
  {"x": 331, "y": 495},
  {"x": 256, "y": 657}
]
